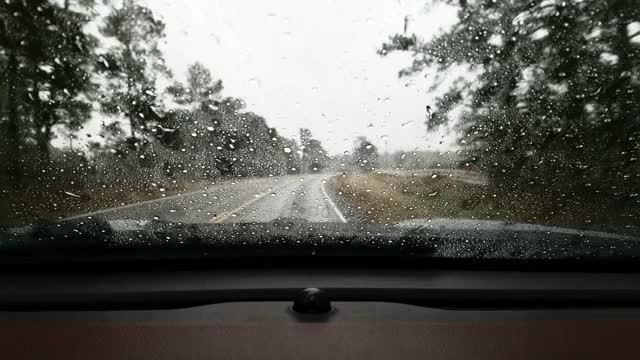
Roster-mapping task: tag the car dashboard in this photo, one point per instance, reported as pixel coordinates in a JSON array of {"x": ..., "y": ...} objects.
[{"x": 375, "y": 314}]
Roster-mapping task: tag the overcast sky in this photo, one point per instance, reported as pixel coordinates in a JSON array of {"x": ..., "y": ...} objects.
[{"x": 312, "y": 63}]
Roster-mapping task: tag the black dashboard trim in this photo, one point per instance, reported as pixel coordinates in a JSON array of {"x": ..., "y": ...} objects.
[{"x": 455, "y": 289}]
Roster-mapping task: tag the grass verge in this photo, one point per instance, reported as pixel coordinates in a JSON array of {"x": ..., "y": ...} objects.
[
  {"x": 51, "y": 202},
  {"x": 388, "y": 199}
]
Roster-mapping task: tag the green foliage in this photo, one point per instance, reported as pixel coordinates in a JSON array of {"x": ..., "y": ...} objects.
[
  {"x": 365, "y": 155},
  {"x": 200, "y": 88},
  {"x": 45, "y": 64},
  {"x": 218, "y": 136},
  {"x": 55, "y": 78},
  {"x": 133, "y": 65},
  {"x": 314, "y": 157},
  {"x": 558, "y": 95}
]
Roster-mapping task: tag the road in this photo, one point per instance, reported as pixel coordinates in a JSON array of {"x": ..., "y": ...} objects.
[{"x": 242, "y": 200}]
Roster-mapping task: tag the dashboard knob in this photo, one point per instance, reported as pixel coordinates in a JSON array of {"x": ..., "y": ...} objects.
[{"x": 312, "y": 301}]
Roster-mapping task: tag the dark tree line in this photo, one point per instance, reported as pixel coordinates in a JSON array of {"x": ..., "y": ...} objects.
[
  {"x": 57, "y": 78},
  {"x": 365, "y": 155},
  {"x": 557, "y": 103},
  {"x": 45, "y": 65}
]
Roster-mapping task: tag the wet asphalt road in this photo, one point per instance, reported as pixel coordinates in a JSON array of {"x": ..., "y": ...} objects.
[{"x": 243, "y": 200}]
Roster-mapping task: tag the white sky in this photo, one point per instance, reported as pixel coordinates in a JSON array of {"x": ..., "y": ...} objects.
[{"x": 312, "y": 63}]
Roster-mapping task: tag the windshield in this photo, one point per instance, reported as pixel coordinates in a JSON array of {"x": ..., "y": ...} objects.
[{"x": 448, "y": 114}]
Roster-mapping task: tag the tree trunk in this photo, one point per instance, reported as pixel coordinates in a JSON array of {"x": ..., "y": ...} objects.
[
  {"x": 617, "y": 90},
  {"x": 130, "y": 114},
  {"x": 42, "y": 119},
  {"x": 128, "y": 55},
  {"x": 43, "y": 139},
  {"x": 132, "y": 125},
  {"x": 129, "y": 111},
  {"x": 13, "y": 127}
]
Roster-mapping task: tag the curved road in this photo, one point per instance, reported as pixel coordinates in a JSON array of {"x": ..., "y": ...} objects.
[{"x": 242, "y": 200}]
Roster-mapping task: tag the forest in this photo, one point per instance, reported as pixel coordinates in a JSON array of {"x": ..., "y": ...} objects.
[
  {"x": 555, "y": 106},
  {"x": 59, "y": 78},
  {"x": 544, "y": 97}
]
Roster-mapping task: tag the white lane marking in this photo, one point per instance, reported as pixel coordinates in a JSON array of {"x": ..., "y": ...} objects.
[
  {"x": 224, "y": 216},
  {"x": 133, "y": 205},
  {"x": 333, "y": 205},
  {"x": 147, "y": 202}
]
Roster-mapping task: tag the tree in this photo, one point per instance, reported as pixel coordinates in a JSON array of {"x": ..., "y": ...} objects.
[
  {"x": 218, "y": 136},
  {"x": 200, "y": 88},
  {"x": 248, "y": 146},
  {"x": 194, "y": 126},
  {"x": 65, "y": 84},
  {"x": 291, "y": 155},
  {"x": 53, "y": 73},
  {"x": 314, "y": 156},
  {"x": 557, "y": 96},
  {"x": 132, "y": 66},
  {"x": 45, "y": 60},
  {"x": 365, "y": 155},
  {"x": 19, "y": 25}
]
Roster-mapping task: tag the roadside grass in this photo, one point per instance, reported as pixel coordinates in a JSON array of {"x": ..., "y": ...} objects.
[
  {"x": 53, "y": 202},
  {"x": 389, "y": 199}
]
